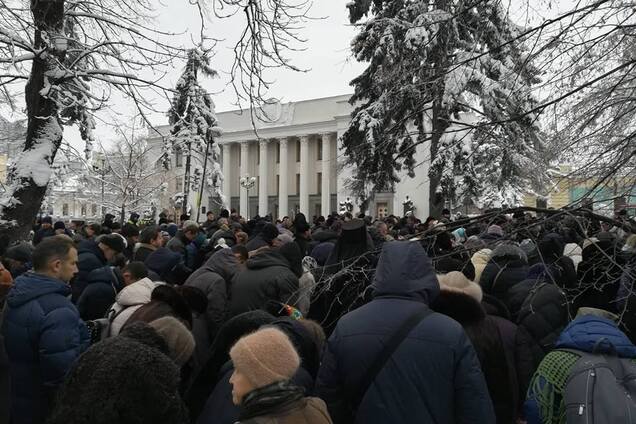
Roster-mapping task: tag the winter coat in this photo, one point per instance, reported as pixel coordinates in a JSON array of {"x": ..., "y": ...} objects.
[
  {"x": 41, "y": 234},
  {"x": 507, "y": 267},
  {"x": 128, "y": 300},
  {"x": 5, "y": 379},
  {"x": 142, "y": 251},
  {"x": 303, "y": 243},
  {"x": 598, "y": 277},
  {"x": 43, "y": 335},
  {"x": 480, "y": 260},
  {"x": 503, "y": 351},
  {"x": 268, "y": 277},
  {"x": 405, "y": 390},
  {"x": 205, "y": 382},
  {"x": 574, "y": 252},
  {"x": 543, "y": 314},
  {"x": 544, "y": 403},
  {"x": 178, "y": 244},
  {"x": 99, "y": 294},
  {"x": 625, "y": 299},
  {"x": 125, "y": 379},
  {"x": 214, "y": 279},
  {"x": 90, "y": 257}
]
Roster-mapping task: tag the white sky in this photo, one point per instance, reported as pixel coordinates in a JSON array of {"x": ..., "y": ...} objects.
[{"x": 326, "y": 58}]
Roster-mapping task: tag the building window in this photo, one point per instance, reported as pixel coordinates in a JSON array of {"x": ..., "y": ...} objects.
[
  {"x": 298, "y": 184},
  {"x": 319, "y": 149},
  {"x": 319, "y": 183},
  {"x": 203, "y": 209},
  {"x": 277, "y": 185},
  {"x": 178, "y": 158},
  {"x": 65, "y": 209},
  {"x": 297, "y": 150},
  {"x": 94, "y": 209},
  {"x": 179, "y": 185},
  {"x": 278, "y": 154},
  {"x": 83, "y": 210}
]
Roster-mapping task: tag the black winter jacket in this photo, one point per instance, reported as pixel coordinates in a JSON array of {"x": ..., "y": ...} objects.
[
  {"x": 268, "y": 277},
  {"x": 503, "y": 352},
  {"x": 506, "y": 268},
  {"x": 90, "y": 257},
  {"x": 100, "y": 293},
  {"x": 543, "y": 315},
  {"x": 433, "y": 376},
  {"x": 214, "y": 279}
]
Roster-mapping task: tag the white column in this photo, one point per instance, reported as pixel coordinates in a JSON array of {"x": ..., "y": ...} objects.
[
  {"x": 262, "y": 179},
  {"x": 326, "y": 175},
  {"x": 244, "y": 169},
  {"x": 283, "y": 193},
  {"x": 227, "y": 175},
  {"x": 304, "y": 175}
]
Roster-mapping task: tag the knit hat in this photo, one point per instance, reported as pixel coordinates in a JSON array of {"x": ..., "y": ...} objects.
[
  {"x": 115, "y": 241},
  {"x": 47, "y": 220},
  {"x": 59, "y": 225},
  {"x": 177, "y": 336},
  {"x": 457, "y": 282},
  {"x": 496, "y": 230},
  {"x": 265, "y": 357},
  {"x": 22, "y": 252}
]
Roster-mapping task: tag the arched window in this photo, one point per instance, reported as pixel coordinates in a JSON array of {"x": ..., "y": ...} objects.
[{"x": 65, "y": 209}]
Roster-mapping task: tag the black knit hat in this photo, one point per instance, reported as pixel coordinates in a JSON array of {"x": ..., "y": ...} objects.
[
  {"x": 59, "y": 225},
  {"x": 47, "y": 220},
  {"x": 114, "y": 241}
]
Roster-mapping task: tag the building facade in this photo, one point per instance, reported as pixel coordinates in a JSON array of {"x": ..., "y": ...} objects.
[{"x": 295, "y": 158}]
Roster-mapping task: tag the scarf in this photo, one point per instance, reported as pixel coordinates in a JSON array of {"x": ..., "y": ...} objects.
[{"x": 270, "y": 399}]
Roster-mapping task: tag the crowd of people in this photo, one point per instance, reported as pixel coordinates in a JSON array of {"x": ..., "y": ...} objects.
[{"x": 342, "y": 320}]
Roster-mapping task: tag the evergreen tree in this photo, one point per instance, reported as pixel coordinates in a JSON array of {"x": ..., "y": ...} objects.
[
  {"x": 452, "y": 74},
  {"x": 194, "y": 126}
]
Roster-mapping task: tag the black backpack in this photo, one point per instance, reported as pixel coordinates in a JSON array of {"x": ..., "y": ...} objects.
[{"x": 601, "y": 389}]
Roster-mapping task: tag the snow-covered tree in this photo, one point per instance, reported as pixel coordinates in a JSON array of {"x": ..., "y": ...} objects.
[
  {"x": 451, "y": 75},
  {"x": 193, "y": 127}
]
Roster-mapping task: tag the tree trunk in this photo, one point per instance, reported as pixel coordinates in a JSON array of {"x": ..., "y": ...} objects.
[
  {"x": 440, "y": 118},
  {"x": 186, "y": 177},
  {"x": 29, "y": 174}
]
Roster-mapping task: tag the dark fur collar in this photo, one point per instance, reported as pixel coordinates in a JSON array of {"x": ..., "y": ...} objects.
[{"x": 459, "y": 306}]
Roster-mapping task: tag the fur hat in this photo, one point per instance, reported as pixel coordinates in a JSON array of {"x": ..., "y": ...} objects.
[
  {"x": 496, "y": 230},
  {"x": 115, "y": 241},
  {"x": 177, "y": 336},
  {"x": 265, "y": 357},
  {"x": 457, "y": 282}
]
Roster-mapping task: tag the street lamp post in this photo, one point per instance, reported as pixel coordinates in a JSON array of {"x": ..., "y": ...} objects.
[{"x": 247, "y": 183}]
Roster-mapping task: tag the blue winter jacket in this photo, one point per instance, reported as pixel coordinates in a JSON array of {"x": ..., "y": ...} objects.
[
  {"x": 89, "y": 258},
  {"x": 100, "y": 293},
  {"x": 581, "y": 334},
  {"x": 434, "y": 376},
  {"x": 43, "y": 335}
]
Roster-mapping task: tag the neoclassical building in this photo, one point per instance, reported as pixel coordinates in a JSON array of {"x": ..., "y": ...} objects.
[{"x": 295, "y": 158}]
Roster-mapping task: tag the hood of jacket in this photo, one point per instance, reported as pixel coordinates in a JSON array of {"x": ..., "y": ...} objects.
[
  {"x": 509, "y": 252},
  {"x": 145, "y": 246},
  {"x": 31, "y": 285},
  {"x": 136, "y": 293},
  {"x": 223, "y": 263},
  {"x": 572, "y": 249},
  {"x": 588, "y": 333},
  {"x": 404, "y": 270},
  {"x": 267, "y": 259},
  {"x": 90, "y": 246}
]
